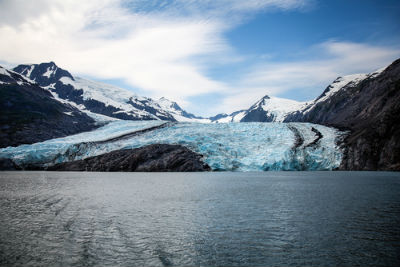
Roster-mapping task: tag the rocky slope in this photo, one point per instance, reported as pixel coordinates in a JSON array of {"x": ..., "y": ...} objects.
[
  {"x": 151, "y": 158},
  {"x": 102, "y": 98},
  {"x": 369, "y": 107},
  {"x": 30, "y": 114}
]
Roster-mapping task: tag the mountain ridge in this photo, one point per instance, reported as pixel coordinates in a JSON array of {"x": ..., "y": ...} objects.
[
  {"x": 367, "y": 105},
  {"x": 30, "y": 114},
  {"x": 102, "y": 98},
  {"x": 119, "y": 103},
  {"x": 370, "y": 109}
]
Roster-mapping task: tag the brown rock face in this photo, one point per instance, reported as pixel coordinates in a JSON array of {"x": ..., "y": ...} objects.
[{"x": 151, "y": 158}]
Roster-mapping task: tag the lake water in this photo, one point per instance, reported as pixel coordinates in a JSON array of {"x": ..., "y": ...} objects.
[{"x": 200, "y": 219}]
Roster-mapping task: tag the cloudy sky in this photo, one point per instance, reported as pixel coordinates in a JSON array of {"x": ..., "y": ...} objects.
[{"x": 210, "y": 56}]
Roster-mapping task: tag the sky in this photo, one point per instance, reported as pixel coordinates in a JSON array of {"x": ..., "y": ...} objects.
[{"x": 210, "y": 56}]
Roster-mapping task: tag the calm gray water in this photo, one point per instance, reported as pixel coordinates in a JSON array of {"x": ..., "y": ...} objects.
[{"x": 208, "y": 219}]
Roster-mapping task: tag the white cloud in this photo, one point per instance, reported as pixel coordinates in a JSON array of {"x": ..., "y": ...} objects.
[
  {"x": 310, "y": 77},
  {"x": 165, "y": 48},
  {"x": 150, "y": 45},
  {"x": 104, "y": 39}
]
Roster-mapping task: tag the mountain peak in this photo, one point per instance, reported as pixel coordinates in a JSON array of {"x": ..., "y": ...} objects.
[
  {"x": 44, "y": 73},
  {"x": 50, "y": 65}
]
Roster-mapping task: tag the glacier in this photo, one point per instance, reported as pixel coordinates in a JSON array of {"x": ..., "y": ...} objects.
[{"x": 224, "y": 146}]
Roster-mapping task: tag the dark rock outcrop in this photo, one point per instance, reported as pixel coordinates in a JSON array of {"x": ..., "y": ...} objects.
[
  {"x": 370, "y": 110},
  {"x": 30, "y": 114},
  {"x": 7, "y": 165},
  {"x": 151, "y": 158},
  {"x": 37, "y": 73}
]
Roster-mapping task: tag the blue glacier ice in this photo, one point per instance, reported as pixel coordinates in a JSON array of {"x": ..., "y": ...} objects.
[
  {"x": 47, "y": 151},
  {"x": 225, "y": 146}
]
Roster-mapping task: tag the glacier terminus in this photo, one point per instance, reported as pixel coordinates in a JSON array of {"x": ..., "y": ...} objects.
[{"x": 224, "y": 146}]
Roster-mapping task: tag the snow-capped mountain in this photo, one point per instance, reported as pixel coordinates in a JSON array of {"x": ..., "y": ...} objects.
[
  {"x": 267, "y": 109},
  {"x": 12, "y": 77},
  {"x": 275, "y": 109},
  {"x": 271, "y": 109},
  {"x": 329, "y": 95},
  {"x": 177, "y": 112},
  {"x": 224, "y": 118},
  {"x": 30, "y": 114},
  {"x": 102, "y": 98},
  {"x": 369, "y": 107}
]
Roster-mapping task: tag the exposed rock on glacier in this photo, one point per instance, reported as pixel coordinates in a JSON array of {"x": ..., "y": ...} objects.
[{"x": 151, "y": 158}]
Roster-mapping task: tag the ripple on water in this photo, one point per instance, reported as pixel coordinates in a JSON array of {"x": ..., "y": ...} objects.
[{"x": 181, "y": 219}]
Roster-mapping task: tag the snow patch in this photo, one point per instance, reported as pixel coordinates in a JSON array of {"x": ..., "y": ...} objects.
[
  {"x": 4, "y": 71},
  {"x": 279, "y": 108},
  {"x": 339, "y": 83},
  {"x": 49, "y": 72}
]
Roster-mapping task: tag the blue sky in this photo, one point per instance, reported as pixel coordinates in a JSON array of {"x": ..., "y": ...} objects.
[{"x": 210, "y": 56}]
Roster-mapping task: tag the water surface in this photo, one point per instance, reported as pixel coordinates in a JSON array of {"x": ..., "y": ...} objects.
[{"x": 200, "y": 219}]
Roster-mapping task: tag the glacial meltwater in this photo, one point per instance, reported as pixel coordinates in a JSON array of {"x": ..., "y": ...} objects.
[{"x": 200, "y": 219}]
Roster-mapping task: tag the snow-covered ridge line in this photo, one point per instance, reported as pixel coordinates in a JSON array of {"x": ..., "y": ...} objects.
[
  {"x": 103, "y": 98},
  {"x": 267, "y": 109},
  {"x": 341, "y": 83},
  {"x": 275, "y": 109},
  {"x": 124, "y": 104},
  {"x": 14, "y": 77},
  {"x": 107, "y": 94}
]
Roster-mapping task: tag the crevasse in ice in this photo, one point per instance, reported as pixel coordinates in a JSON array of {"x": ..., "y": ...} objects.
[{"x": 225, "y": 146}]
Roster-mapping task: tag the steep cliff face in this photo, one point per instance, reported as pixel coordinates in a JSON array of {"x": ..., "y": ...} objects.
[
  {"x": 370, "y": 109},
  {"x": 374, "y": 143}
]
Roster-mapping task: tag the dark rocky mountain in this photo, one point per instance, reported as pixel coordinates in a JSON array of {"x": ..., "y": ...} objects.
[
  {"x": 102, "y": 98},
  {"x": 151, "y": 158},
  {"x": 43, "y": 74},
  {"x": 257, "y": 113},
  {"x": 30, "y": 114},
  {"x": 370, "y": 109}
]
